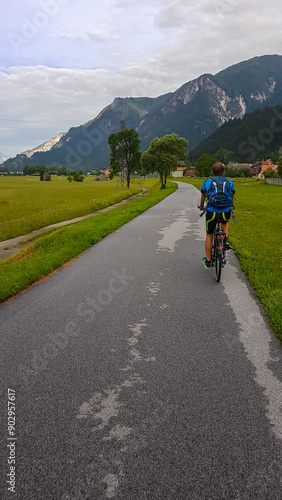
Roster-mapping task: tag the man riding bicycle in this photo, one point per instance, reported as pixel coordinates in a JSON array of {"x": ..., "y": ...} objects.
[{"x": 219, "y": 193}]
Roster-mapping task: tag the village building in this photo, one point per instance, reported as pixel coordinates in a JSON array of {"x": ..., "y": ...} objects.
[
  {"x": 179, "y": 172},
  {"x": 258, "y": 168},
  {"x": 190, "y": 172}
]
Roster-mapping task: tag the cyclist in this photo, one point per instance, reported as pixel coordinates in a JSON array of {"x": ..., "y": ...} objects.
[{"x": 214, "y": 211}]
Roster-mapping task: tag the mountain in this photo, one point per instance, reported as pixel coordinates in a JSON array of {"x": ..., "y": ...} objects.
[
  {"x": 46, "y": 146},
  {"x": 2, "y": 158},
  {"x": 194, "y": 111},
  {"x": 256, "y": 136},
  {"x": 86, "y": 147}
]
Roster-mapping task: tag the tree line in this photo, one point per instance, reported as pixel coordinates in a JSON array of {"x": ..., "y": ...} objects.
[
  {"x": 46, "y": 172},
  {"x": 163, "y": 156}
]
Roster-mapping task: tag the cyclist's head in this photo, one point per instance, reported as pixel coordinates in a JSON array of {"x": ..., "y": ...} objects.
[{"x": 218, "y": 168}]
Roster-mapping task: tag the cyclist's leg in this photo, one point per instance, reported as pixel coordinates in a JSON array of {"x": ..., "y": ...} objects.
[
  {"x": 208, "y": 246},
  {"x": 225, "y": 216},
  {"x": 225, "y": 228},
  {"x": 210, "y": 225}
]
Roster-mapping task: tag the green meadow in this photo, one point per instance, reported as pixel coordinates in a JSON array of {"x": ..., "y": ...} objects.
[
  {"x": 26, "y": 203},
  {"x": 53, "y": 248},
  {"x": 257, "y": 241}
]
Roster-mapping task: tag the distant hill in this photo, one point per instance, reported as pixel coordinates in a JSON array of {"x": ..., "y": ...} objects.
[
  {"x": 257, "y": 136},
  {"x": 193, "y": 111},
  {"x": 86, "y": 147}
]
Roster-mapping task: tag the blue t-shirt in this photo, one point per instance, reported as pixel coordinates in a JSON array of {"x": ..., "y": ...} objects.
[{"x": 207, "y": 185}]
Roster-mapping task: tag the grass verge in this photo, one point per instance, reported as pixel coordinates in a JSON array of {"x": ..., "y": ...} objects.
[
  {"x": 49, "y": 251},
  {"x": 256, "y": 239},
  {"x": 27, "y": 204}
]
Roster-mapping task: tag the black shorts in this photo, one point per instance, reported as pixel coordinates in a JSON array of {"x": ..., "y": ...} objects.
[{"x": 212, "y": 218}]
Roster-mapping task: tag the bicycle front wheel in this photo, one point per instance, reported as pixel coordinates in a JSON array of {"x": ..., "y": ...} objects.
[{"x": 218, "y": 266}]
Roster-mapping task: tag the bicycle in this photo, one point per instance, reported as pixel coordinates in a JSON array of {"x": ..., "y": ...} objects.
[{"x": 218, "y": 246}]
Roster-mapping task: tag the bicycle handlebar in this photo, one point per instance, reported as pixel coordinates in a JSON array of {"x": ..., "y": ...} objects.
[{"x": 203, "y": 210}]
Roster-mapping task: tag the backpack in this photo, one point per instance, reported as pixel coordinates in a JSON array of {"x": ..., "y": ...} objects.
[{"x": 220, "y": 194}]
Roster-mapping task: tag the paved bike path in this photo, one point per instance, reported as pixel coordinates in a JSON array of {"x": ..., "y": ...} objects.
[{"x": 137, "y": 376}]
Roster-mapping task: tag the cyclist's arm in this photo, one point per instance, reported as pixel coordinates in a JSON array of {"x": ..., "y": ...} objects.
[
  {"x": 203, "y": 197},
  {"x": 203, "y": 193}
]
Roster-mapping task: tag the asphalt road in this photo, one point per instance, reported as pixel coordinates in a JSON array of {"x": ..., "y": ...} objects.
[{"x": 137, "y": 376}]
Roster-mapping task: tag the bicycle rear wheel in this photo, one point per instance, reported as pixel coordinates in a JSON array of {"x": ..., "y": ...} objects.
[{"x": 218, "y": 266}]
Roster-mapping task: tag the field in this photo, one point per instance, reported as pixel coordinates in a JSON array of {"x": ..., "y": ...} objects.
[
  {"x": 26, "y": 203},
  {"x": 48, "y": 251},
  {"x": 257, "y": 241}
]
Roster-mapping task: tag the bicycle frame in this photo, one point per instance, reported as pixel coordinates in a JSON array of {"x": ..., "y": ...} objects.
[
  {"x": 218, "y": 251},
  {"x": 218, "y": 248}
]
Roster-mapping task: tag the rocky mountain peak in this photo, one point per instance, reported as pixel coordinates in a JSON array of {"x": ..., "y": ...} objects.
[
  {"x": 46, "y": 146},
  {"x": 193, "y": 111}
]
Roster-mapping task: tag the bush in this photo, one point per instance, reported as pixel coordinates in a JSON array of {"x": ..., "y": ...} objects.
[
  {"x": 270, "y": 173},
  {"x": 237, "y": 172},
  {"x": 78, "y": 177}
]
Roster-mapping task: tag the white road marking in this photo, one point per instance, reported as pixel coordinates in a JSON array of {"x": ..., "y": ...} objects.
[{"x": 256, "y": 338}]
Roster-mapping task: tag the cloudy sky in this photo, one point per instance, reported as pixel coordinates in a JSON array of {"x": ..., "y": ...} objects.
[{"x": 63, "y": 61}]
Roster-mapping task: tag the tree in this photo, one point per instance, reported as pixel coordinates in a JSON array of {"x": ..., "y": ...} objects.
[
  {"x": 237, "y": 172},
  {"x": 279, "y": 169},
  {"x": 75, "y": 176},
  {"x": 62, "y": 171},
  {"x": 44, "y": 174},
  {"x": 41, "y": 173},
  {"x": 78, "y": 176},
  {"x": 224, "y": 156},
  {"x": 204, "y": 165},
  {"x": 269, "y": 173},
  {"x": 28, "y": 170},
  {"x": 125, "y": 152},
  {"x": 163, "y": 155}
]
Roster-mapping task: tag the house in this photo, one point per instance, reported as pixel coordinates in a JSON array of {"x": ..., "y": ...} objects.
[
  {"x": 268, "y": 164},
  {"x": 179, "y": 172},
  {"x": 258, "y": 168},
  {"x": 190, "y": 172}
]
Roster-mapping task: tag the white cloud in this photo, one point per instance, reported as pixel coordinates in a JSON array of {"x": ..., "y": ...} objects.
[
  {"x": 44, "y": 101},
  {"x": 87, "y": 53},
  {"x": 176, "y": 14}
]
